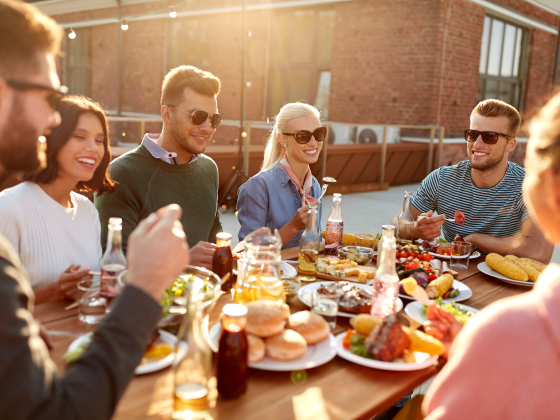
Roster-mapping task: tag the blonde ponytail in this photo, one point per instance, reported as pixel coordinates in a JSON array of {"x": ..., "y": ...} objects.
[{"x": 274, "y": 151}]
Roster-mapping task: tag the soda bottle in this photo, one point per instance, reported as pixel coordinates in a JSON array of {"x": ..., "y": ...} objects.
[
  {"x": 386, "y": 281},
  {"x": 113, "y": 261},
  {"x": 335, "y": 227}
]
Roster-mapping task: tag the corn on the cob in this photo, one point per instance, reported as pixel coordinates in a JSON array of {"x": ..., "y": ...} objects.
[
  {"x": 364, "y": 323},
  {"x": 365, "y": 241},
  {"x": 531, "y": 271},
  {"x": 537, "y": 264},
  {"x": 425, "y": 343},
  {"x": 439, "y": 286},
  {"x": 512, "y": 257},
  {"x": 347, "y": 238},
  {"x": 506, "y": 267}
]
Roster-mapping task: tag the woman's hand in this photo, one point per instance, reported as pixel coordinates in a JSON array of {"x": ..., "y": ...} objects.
[
  {"x": 443, "y": 326},
  {"x": 299, "y": 221},
  {"x": 68, "y": 281}
]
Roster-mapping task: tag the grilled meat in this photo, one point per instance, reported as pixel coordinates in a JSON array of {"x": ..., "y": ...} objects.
[{"x": 387, "y": 340}]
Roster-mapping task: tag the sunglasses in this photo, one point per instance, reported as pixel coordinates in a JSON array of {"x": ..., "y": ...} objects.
[
  {"x": 488, "y": 137},
  {"x": 53, "y": 98},
  {"x": 198, "y": 117},
  {"x": 304, "y": 136}
]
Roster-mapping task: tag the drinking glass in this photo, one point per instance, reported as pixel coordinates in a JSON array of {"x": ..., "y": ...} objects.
[
  {"x": 326, "y": 305},
  {"x": 460, "y": 255},
  {"x": 91, "y": 305},
  {"x": 291, "y": 287}
]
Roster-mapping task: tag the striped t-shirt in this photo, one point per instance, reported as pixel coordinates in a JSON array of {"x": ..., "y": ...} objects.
[{"x": 497, "y": 211}]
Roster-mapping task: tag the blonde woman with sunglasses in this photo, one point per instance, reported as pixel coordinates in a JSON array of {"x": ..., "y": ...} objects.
[{"x": 278, "y": 196}]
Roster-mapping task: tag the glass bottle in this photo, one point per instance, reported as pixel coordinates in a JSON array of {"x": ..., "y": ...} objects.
[
  {"x": 192, "y": 365},
  {"x": 309, "y": 247},
  {"x": 386, "y": 281},
  {"x": 222, "y": 261},
  {"x": 335, "y": 227},
  {"x": 259, "y": 275},
  {"x": 233, "y": 353},
  {"x": 405, "y": 221},
  {"x": 113, "y": 261}
]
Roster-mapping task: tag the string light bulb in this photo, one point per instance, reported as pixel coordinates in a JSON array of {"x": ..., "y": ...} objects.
[
  {"x": 172, "y": 12},
  {"x": 124, "y": 25},
  {"x": 72, "y": 34}
]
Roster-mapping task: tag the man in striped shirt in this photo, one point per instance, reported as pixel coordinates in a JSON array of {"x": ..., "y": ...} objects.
[{"x": 486, "y": 188}]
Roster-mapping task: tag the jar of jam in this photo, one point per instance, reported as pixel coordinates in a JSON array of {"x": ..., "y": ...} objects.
[{"x": 222, "y": 261}]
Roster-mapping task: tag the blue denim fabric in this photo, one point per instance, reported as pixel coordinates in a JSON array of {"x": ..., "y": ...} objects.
[{"x": 271, "y": 199}]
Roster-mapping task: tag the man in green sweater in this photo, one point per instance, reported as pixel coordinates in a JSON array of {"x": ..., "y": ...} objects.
[{"x": 171, "y": 168}]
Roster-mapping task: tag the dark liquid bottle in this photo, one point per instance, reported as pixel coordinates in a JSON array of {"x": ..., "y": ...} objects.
[
  {"x": 222, "y": 261},
  {"x": 233, "y": 353}
]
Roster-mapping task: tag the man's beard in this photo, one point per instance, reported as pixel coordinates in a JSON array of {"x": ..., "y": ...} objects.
[
  {"x": 489, "y": 164},
  {"x": 182, "y": 140},
  {"x": 20, "y": 149}
]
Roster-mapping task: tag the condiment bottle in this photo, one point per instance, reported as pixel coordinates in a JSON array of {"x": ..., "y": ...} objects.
[
  {"x": 222, "y": 261},
  {"x": 113, "y": 261},
  {"x": 405, "y": 221},
  {"x": 386, "y": 281},
  {"x": 233, "y": 353},
  {"x": 309, "y": 247},
  {"x": 335, "y": 227}
]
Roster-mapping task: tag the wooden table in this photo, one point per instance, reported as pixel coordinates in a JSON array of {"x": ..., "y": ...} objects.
[{"x": 336, "y": 390}]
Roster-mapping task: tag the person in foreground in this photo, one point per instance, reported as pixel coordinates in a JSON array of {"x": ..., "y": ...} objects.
[
  {"x": 92, "y": 385},
  {"x": 486, "y": 188},
  {"x": 171, "y": 168},
  {"x": 505, "y": 363},
  {"x": 55, "y": 230},
  {"x": 278, "y": 196}
]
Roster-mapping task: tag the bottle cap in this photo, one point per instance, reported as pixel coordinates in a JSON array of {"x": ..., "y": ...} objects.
[
  {"x": 234, "y": 310},
  {"x": 337, "y": 195},
  {"x": 388, "y": 227},
  {"x": 115, "y": 221},
  {"x": 223, "y": 235}
]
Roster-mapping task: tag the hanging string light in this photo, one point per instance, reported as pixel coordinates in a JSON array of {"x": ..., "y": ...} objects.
[
  {"x": 124, "y": 25},
  {"x": 172, "y": 12},
  {"x": 72, "y": 34}
]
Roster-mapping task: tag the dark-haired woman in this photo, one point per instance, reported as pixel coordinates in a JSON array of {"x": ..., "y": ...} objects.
[{"x": 54, "y": 229}]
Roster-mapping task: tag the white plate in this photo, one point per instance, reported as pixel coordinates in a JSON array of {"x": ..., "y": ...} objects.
[
  {"x": 288, "y": 270},
  {"x": 378, "y": 364},
  {"x": 316, "y": 355},
  {"x": 152, "y": 365},
  {"x": 414, "y": 311},
  {"x": 305, "y": 294},
  {"x": 465, "y": 292},
  {"x": 485, "y": 268},
  {"x": 475, "y": 254}
]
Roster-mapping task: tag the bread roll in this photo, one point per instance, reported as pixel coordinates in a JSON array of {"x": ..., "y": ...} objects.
[
  {"x": 266, "y": 318},
  {"x": 311, "y": 326},
  {"x": 288, "y": 345},
  {"x": 256, "y": 348}
]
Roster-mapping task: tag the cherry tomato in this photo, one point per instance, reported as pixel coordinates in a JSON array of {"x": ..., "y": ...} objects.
[
  {"x": 398, "y": 255},
  {"x": 432, "y": 276},
  {"x": 427, "y": 257},
  {"x": 404, "y": 254},
  {"x": 440, "y": 252},
  {"x": 449, "y": 251}
]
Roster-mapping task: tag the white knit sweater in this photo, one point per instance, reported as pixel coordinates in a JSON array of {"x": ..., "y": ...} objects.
[{"x": 47, "y": 236}]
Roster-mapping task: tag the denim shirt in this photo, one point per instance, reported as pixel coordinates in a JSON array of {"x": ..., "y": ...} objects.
[{"x": 271, "y": 199}]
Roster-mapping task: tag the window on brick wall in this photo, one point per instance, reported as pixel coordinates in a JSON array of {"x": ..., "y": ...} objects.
[
  {"x": 300, "y": 59},
  {"x": 78, "y": 63},
  {"x": 502, "y": 62},
  {"x": 188, "y": 43}
]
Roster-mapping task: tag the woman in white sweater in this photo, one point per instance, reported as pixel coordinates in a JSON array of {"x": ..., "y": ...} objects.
[{"x": 55, "y": 230}]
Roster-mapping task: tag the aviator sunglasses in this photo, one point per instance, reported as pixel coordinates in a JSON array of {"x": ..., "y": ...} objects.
[
  {"x": 304, "y": 136},
  {"x": 53, "y": 98},
  {"x": 198, "y": 117},
  {"x": 488, "y": 137}
]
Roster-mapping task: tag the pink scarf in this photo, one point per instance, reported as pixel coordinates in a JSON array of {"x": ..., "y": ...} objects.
[{"x": 307, "y": 183}]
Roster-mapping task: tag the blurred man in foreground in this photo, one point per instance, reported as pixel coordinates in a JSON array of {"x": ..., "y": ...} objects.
[{"x": 90, "y": 389}]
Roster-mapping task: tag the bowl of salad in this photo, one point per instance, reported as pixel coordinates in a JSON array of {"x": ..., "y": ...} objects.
[{"x": 174, "y": 300}]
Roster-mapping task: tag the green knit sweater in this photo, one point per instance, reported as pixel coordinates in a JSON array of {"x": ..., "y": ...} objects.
[{"x": 145, "y": 184}]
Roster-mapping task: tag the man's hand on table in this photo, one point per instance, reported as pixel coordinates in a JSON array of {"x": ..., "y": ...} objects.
[
  {"x": 202, "y": 253},
  {"x": 429, "y": 227},
  {"x": 158, "y": 251},
  {"x": 443, "y": 326}
]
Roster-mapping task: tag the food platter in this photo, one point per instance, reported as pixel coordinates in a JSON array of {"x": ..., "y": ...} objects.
[
  {"x": 465, "y": 293},
  {"x": 414, "y": 311},
  {"x": 474, "y": 255},
  {"x": 152, "y": 365},
  {"x": 305, "y": 294},
  {"x": 378, "y": 364},
  {"x": 316, "y": 355},
  {"x": 288, "y": 271},
  {"x": 485, "y": 268}
]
